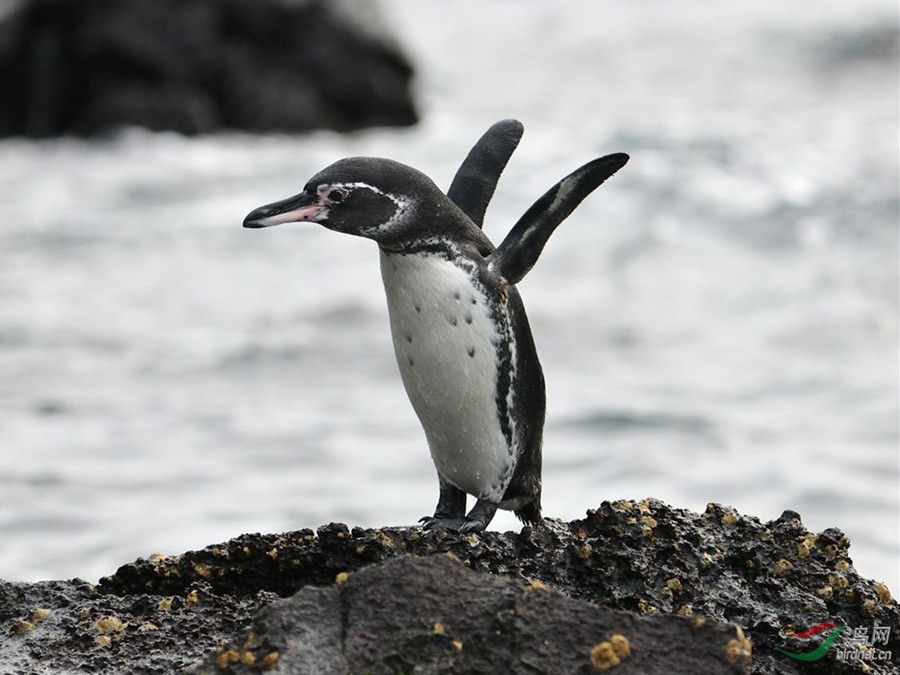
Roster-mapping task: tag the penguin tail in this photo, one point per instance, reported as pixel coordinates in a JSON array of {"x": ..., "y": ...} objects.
[{"x": 530, "y": 514}]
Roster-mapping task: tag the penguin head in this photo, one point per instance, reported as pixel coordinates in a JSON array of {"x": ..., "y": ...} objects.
[{"x": 368, "y": 197}]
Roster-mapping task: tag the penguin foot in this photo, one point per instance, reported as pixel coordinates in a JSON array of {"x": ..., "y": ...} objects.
[
  {"x": 439, "y": 523},
  {"x": 476, "y": 521},
  {"x": 461, "y": 525}
]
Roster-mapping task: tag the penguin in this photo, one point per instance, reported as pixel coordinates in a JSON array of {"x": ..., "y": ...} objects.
[{"x": 461, "y": 337}]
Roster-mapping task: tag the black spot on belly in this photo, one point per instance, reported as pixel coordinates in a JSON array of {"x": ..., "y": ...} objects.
[
  {"x": 473, "y": 300},
  {"x": 409, "y": 338},
  {"x": 456, "y": 295},
  {"x": 453, "y": 321},
  {"x": 410, "y": 359},
  {"x": 468, "y": 318},
  {"x": 471, "y": 351},
  {"x": 418, "y": 309}
]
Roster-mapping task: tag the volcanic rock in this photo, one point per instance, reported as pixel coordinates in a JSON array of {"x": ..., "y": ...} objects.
[{"x": 195, "y": 66}]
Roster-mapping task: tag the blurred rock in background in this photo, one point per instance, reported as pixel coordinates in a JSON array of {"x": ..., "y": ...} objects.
[{"x": 196, "y": 66}]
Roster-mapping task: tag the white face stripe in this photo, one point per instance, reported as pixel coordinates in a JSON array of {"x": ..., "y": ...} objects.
[{"x": 401, "y": 203}]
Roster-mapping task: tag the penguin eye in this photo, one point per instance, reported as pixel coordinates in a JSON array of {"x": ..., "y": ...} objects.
[{"x": 336, "y": 195}]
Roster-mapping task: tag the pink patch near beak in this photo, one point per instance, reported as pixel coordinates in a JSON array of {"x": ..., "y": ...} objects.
[{"x": 302, "y": 214}]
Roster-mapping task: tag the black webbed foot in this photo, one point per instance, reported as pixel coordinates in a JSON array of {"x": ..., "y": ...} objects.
[
  {"x": 438, "y": 523},
  {"x": 477, "y": 519},
  {"x": 472, "y": 525},
  {"x": 461, "y": 525}
]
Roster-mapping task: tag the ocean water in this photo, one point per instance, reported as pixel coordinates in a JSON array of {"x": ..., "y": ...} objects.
[{"x": 717, "y": 323}]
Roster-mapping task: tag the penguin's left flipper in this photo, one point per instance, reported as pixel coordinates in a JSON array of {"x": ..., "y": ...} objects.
[
  {"x": 518, "y": 252},
  {"x": 475, "y": 180}
]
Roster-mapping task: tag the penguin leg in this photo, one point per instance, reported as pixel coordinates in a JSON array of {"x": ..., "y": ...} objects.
[
  {"x": 450, "y": 510},
  {"x": 479, "y": 517}
]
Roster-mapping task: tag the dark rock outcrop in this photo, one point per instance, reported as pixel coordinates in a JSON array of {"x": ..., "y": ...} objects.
[
  {"x": 434, "y": 615},
  {"x": 701, "y": 592},
  {"x": 195, "y": 66},
  {"x": 67, "y": 627}
]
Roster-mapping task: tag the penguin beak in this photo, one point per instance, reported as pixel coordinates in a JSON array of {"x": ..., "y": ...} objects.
[{"x": 299, "y": 208}]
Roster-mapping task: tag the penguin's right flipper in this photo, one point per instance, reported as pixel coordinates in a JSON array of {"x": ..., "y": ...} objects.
[
  {"x": 475, "y": 181},
  {"x": 518, "y": 252}
]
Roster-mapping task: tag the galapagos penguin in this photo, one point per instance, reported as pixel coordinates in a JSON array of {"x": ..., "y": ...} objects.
[{"x": 461, "y": 337}]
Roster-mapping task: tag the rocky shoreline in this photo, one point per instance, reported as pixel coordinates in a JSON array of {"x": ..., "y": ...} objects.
[
  {"x": 634, "y": 587},
  {"x": 89, "y": 67}
]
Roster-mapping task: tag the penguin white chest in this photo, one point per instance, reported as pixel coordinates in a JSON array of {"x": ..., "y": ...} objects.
[{"x": 445, "y": 340}]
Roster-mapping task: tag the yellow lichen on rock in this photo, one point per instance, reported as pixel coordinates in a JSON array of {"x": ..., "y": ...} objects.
[
  {"x": 269, "y": 660},
  {"x": 783, "y": 566},
  {"x": 826, "y": 592},
  {"x": 39, "y": 614},
  {"x": 838, "y": 581},
  {"x": 603, "y": 656},
  {"x": 341, "y": 578},
  {"x": 109, "y": 624},
  {"x": 646, "y": 608},
  {"x": 884, "y": 593},
  {"x": 438, "y": 628},
  {"x": 19, "y": 627},
  {"x": 226, "y": 658},
  {"x": 621, "y": 646},
  {"x": 739, "y": 649},
  {"x": 204, "y": 571},
  {"x": 536, "y": 585}
]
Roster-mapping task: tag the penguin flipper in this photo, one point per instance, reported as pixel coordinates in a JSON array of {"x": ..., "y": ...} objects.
[
  {"x": 475, "y": 181},
  {"x": 518, "y": 252}
]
